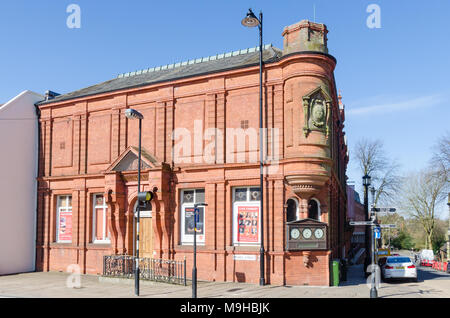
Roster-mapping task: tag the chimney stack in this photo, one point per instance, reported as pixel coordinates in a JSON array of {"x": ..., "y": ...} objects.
[
  {"x": 305, "y": 36},
  {"x": 50, "y": 95}
]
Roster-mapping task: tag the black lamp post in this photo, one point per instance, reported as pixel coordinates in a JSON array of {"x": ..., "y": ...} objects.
[
  {"x": 448, "y": 231},
  {"x": 134, "y": 114},
  {"x": 366, "y": 184},
  {"x": 373, "y": 289},
  {"x": 194, "y": 266},
  {"x": 251, "y": 21}
]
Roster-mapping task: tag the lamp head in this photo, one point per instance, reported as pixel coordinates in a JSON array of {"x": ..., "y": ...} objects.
[
  {"x": 133, "y": 114},
  {"x": 250, "y": 20},
  {"x": 366, "y": 180}
]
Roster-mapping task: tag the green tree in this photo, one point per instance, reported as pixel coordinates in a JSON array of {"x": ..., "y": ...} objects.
[{"x": 402, "y": 241}]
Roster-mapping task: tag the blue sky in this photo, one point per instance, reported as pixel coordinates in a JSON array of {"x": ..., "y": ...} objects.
[{"x": 394, "y": 80}]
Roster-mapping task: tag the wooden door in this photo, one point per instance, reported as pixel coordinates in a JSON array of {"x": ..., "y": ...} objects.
[{"x": 146, "y": 237}]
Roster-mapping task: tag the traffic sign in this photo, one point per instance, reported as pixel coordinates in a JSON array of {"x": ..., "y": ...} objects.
[
  {"x": 388, "y": 226},
  {"x": 377, "y": 232},
  {"x": 361, "y": 223},
  {"x": 383, "y": 210}
]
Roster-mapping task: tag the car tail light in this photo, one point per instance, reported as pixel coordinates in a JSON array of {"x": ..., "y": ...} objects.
[
  {"x": 389, "y": 267},
  {"x": 411, "y": 266}
]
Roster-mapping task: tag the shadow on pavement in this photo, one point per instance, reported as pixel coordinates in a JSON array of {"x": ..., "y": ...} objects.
[{"x": 355, "y": 276}]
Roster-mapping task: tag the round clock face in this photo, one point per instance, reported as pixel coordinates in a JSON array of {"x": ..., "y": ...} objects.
[
  {"x": 307, "y": 233},
  {"x": 318, "y": 233},
  {"x": 295, "y": 233}
]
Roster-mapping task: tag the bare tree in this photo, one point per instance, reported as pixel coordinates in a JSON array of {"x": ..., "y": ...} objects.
[
  {"x": 373, "y": 161},
  {"x": 441, "y": 155},
  {"x": 422, "y": 191}
]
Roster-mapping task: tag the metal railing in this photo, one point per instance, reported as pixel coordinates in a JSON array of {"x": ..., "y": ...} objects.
[{"x": 167, "y": 271}]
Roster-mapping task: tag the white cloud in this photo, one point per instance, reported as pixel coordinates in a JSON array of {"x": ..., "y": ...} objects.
[{"x": 418, "y": 102}]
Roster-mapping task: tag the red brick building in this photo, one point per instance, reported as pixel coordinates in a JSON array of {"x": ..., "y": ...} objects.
[{"x": 201, "y": 119}]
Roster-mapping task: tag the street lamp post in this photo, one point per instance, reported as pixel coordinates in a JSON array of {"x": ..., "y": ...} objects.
[
  {"x": 134, "y": 114},
  {"x": 448, "y": 230},
  {"x": 366, "y": 184},
  {"x": 251, "y": 21},
  {"x": 373, "y": 289},
  {"x": 194, "y": 266}
]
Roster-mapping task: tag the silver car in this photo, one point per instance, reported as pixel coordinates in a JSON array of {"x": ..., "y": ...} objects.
[{"x": 398, "y": 267}]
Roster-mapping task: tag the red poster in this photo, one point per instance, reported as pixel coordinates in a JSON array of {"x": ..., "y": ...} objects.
[
  {"x": 248, "y": 218},
  {"x": 65, "y": 226}
]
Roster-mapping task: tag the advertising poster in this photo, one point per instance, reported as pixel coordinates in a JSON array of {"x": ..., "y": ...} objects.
[
  {"x": 65, "y": 226},
  {"x": 189, "y": 222},
  {"x": 248, "y": 218}
]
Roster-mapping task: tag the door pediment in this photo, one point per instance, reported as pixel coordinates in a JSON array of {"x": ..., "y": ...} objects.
[{"x": 128, "y": 161}]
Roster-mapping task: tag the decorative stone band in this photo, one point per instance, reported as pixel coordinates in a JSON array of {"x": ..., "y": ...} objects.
[{"x": 306, "y": 186}]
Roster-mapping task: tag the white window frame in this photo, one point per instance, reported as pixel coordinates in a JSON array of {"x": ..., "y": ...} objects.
[
  {"x": 188, "y": 239},
  {"x": 236, "y": 205},
  {"x": 105, "y": 239},
  {"x": 60, "y": 209}
]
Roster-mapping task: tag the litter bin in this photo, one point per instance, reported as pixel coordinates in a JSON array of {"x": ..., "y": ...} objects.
[
  {"x": 343, "y": 270},
  {"x": 335, "y": 272}
]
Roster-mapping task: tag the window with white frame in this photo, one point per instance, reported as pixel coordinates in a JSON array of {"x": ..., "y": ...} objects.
[
  {"x": 246, "y": 216},
  {"x": 64, "y": 219},
  {"x": 100, "y": 226},
  {"x": 188, "y": 199}
]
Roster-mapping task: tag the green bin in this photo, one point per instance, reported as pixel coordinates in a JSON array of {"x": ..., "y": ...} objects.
[{"x": 335, "y": 273}]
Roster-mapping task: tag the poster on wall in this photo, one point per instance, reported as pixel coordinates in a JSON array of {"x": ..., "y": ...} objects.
[
  {"x": 65, "y": 226},
  {"x": 189, "y": 222},
  {"x": 248, "y": 218}
]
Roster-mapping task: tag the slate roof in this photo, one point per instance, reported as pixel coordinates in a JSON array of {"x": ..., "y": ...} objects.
[{"x": 221, "y": 62}]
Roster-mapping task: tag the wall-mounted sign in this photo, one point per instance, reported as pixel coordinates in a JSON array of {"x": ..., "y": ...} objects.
[
  {"x": 189, "y": 221},
  {"x": 244, "y": 257},
  {"x": 65, "y": 226},
  {"x": 247, "y": 223}
]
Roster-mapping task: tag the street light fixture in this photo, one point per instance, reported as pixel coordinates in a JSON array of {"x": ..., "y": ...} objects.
[
  {"x": 251, "y": 20},
  {"x": 134, "y": 114},
  {"x": 194, "y": 266}
]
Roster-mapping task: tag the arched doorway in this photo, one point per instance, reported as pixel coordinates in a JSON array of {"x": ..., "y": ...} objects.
[
  {"x": 145, "y": 230},
  {"x": 291, "y": 210}
]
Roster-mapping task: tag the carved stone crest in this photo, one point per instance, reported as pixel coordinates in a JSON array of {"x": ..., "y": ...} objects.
[{"x": 317, "y": 111}]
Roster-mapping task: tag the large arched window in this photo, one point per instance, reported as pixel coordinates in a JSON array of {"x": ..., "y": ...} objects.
[
  {"x": 291, "y": 210},
  {"x": 314, "y": 209}
]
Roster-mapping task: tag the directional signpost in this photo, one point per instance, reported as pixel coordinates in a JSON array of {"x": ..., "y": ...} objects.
[
  {"x": 361, "y": 223},
  {"x": 388, "y": 226},
  {"x": 384, "y": 210}
]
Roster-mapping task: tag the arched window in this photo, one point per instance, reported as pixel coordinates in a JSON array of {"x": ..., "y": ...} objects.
[
  {"x": 314, "y": 209},
  {"x": 291, "y": 210}
]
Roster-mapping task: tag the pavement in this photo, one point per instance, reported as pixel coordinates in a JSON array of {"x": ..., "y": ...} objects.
[{"x": 431, "y": 284}]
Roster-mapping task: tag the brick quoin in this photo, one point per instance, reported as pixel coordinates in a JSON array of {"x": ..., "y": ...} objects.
[{"x": 85, "y": 139}]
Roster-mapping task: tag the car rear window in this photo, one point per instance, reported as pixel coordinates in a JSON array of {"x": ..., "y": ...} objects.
[{"x": 399, "y": 260}]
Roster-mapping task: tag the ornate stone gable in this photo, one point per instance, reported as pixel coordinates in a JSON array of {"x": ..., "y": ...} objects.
[
  {"x": 317, "y": 111},
  {"x": 128, "y": 161}
]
